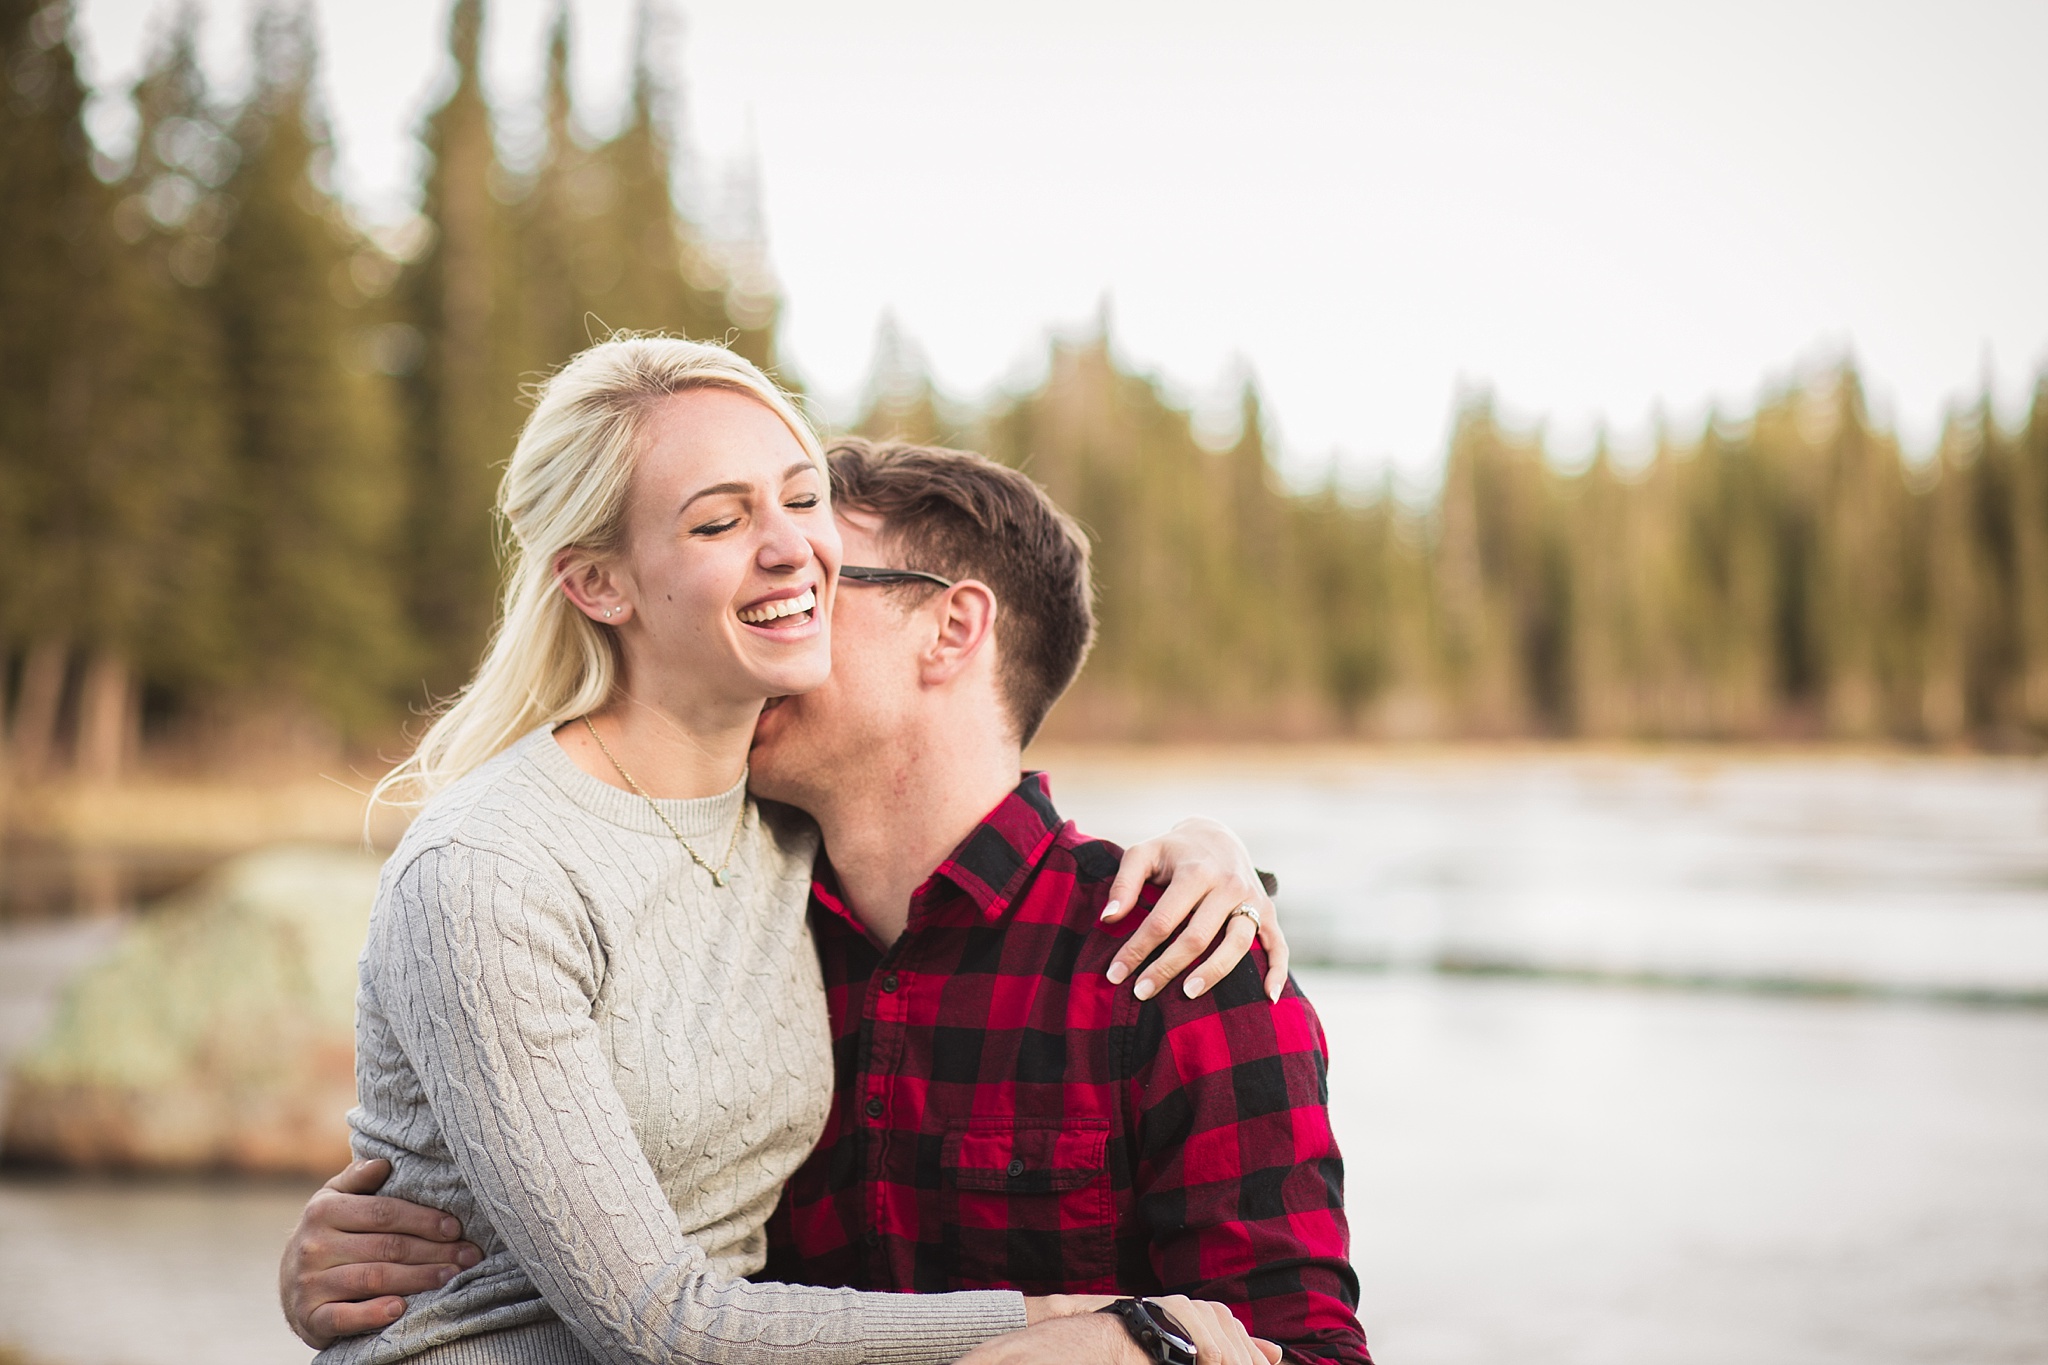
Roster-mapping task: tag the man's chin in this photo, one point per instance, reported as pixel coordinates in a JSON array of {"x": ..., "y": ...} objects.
[
  {"x": 764, "y": 772},
  {"x": 766, "y": 758}
]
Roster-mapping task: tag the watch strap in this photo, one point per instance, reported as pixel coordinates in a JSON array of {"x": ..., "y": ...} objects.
[{"x": 1163, "y": 1340}]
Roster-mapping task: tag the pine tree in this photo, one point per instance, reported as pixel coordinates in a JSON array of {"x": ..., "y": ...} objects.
[
  {"x": 461, "y": 401},
  {"x": 1996, "y": 651},
  {"x": 1364, "y": 581},
  {"x": 2030, "y": 562},
  {"x": 899, "y": 402},
  {"x": 157, "y": 477},
  {"x": 567, "y": 190},
  {"x": 53, "y": 255},
  {"x": 1954, "y": 588},
  {"x": 643, "y": 265},
  {"x": 1608, "y": 652},
  {"x": 1858, "y": 494},
  {"x": 316, "y": 608},
  {"x": 1506, "y": 589},
  {"x": 1255, "y": 567}
]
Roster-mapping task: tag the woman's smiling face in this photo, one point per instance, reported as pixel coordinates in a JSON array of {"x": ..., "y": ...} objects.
[{"x": 731, "y": 556}]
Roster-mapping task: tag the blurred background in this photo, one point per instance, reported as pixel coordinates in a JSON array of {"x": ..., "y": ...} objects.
[{"x": 1568, "y": 483}]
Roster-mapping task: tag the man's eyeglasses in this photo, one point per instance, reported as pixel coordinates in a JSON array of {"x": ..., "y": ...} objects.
[{"x": 860, "y": 573}]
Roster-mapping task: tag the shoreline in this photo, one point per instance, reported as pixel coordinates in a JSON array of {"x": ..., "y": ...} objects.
[{"x": 228, "y": 810}]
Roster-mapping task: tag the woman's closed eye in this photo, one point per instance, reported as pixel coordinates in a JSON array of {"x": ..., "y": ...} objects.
[{"x": 802, "y": 502}]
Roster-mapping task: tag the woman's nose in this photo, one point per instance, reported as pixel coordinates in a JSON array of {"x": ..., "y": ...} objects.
[{"x": 784, "y": 545}]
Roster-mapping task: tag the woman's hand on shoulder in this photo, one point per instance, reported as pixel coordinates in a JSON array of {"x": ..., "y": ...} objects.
[{"x": 1207, "y": 872}]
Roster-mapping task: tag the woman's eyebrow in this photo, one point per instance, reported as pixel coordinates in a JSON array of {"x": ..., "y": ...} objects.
[{"x": 715, "y": 489}]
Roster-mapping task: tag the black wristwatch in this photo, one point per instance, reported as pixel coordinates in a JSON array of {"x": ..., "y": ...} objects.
[{"x": 1163, "y": 1340}]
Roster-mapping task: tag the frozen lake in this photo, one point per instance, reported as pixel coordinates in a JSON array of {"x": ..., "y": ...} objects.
[
  {"x": 1903, "y": 875},
  {"x": 1555, "y": 1166}
]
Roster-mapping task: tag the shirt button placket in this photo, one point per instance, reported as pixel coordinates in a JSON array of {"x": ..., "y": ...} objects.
[{"x": 887, "y": 1008}]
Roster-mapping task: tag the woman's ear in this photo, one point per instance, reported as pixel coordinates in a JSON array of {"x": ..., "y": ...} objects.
[
  {"x": 590, "y": 584},
  {"x": 966, "y": 629}
]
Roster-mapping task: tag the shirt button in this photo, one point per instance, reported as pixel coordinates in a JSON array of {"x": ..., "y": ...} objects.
[
  {"x": 874, "y": 1108},
  {"x": 889, "y": 984},
  {"x": 873, "y": 1239},
  {"x": 1016, "y": 1167}
]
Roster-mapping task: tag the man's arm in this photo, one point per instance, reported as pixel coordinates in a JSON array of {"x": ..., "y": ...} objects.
[
  {"x": 1237, "y": 1176},
  {"x": 355, "y": 1254}
]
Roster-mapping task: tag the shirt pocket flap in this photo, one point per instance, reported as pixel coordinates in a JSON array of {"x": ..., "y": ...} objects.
[{"x": 1019, "y": 1159}]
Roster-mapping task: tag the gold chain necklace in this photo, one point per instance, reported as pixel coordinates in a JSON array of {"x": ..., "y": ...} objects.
[{"x": 717, "y": 873}]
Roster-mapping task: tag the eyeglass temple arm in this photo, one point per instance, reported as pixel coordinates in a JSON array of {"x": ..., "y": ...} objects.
[{"x": 862, "y": 573}]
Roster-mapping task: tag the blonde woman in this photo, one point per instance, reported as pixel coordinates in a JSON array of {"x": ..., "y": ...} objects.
[{"x": 591, "y": 1024}]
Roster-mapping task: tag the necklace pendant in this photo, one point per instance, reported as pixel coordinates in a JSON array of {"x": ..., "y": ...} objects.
[{"x": 718, "y": 879}]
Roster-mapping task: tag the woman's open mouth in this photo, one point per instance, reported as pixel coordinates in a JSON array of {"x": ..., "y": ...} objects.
[{"x": 782, "y": 612}]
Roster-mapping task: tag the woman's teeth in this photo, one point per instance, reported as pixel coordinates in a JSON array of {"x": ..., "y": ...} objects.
[{"x": 775, "y": 611}]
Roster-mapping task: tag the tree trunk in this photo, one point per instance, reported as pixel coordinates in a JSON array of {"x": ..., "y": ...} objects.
[
  {"x": 33, "y": 736},
  {"x": 109, "y": 717}
]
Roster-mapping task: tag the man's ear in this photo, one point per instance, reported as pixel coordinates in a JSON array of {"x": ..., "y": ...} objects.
[
  {"x": 591, "y": 585},
  {"x": 966, "y": 629}
]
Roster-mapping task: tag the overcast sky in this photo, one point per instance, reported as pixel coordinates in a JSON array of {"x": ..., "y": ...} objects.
[{"x": 1595, "y": 208}]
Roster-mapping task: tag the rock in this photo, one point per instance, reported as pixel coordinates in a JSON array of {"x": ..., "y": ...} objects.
[{"x": 217, "y": 1034}]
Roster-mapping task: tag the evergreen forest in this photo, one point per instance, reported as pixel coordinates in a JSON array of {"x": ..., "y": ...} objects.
[{"x": 248, "y": 449}]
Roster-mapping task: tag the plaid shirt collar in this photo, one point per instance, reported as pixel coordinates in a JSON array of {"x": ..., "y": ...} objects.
[{"x": 986, "y": 871}]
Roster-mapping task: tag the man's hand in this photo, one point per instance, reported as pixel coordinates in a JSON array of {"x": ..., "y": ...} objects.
[
  {"x": 1090, "y": 1338},
  {"x": 1208, "y": 873},
  {"x": 355, "y": 1254}
]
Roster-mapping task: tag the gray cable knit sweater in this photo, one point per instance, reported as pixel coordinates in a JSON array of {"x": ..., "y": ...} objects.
[{"x": 606, "y": 1067}]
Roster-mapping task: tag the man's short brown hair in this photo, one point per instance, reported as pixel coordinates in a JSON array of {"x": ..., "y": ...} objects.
[{"x": 962, "y": 515}]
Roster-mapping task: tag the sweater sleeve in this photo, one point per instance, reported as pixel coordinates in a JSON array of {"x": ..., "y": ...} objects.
[{"x": 488, "y": 969}]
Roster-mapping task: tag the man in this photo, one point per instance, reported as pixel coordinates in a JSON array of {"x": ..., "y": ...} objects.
[{"x": 1006, "y": 1113}]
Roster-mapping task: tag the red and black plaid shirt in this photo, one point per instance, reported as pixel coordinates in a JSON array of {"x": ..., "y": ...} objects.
[{"x": 1003, "y": 1116}]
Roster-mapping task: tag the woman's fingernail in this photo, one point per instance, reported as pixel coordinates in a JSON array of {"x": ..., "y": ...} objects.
[
  {"x": 1194, "y": 987},
  {"x": 1145, "y": 990},
  {"x": 1116, "y": 973},
  {"x": 1111, "y": 908}
]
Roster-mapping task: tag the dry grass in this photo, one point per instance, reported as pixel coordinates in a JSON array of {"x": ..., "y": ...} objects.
[{"x": 200, "y": 814}]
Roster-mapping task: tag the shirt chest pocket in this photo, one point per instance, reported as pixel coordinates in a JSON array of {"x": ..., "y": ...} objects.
[{"x": 1029, "y": 1206}]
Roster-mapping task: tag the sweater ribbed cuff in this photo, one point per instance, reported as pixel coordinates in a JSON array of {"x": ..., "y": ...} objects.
[{"x": 932, "y": 1329}]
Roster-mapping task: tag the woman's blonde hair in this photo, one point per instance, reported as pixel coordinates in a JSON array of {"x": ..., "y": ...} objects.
[{"x": 566, "y": 488}]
